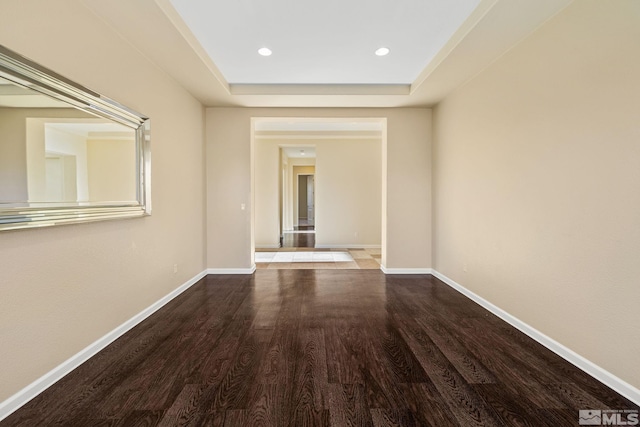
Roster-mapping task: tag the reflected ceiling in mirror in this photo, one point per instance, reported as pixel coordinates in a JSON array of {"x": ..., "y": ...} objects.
[{"x": 67, "y": 154}]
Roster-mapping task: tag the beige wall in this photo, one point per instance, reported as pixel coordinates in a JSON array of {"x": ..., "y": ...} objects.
[
  {"x": 348, "y": 193},
  {"x": 267, "y": 225},
  {"x": 407, "y": 182},
  {"x": 229, "y": 185},
  {"x": 536, "y": 173},
  {"x": 13, "y": 157},
  {"x": 65, "y": 287},
  {"x": 112, "y": 169}
]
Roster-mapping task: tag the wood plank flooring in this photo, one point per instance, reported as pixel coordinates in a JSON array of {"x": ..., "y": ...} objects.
[
  {"x": 298, "y": 240},
  {"x": 321, "y": 348}
]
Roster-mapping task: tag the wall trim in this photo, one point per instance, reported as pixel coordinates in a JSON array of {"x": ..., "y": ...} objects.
[
  {"x": 268, "y": 246},
  {"x": 351, "y": 246},
  {"x": 386, "y": 270},
  {"x": 232, "y": 270},
  {"x": 23, "y": 396},
  {"x": 607, "y": 378}
]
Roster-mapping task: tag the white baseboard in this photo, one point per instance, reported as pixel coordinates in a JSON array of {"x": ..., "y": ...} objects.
[
  {"x": 622, "y": 387},
  {"x": 232, "y": 270},
  {"x": 352, "y": 246},
  {"x": 16, "y": 401},
  {"x": 386, "y": 270},
  {"x": 268, "y": 246}
]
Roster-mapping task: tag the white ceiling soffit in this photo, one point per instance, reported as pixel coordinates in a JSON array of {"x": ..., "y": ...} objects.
[
  {"x": 92, "y": 128},
  {"x": 321, "y": 125},
  {"x": 14, "y": 96},
  {"x": 317, "y": 129},
  {"x": 323, "y": 42},
  {"x": 490, "y": 30}
]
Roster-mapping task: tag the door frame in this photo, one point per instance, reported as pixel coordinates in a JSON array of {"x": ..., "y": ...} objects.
[{"x": 350, "y": 119}]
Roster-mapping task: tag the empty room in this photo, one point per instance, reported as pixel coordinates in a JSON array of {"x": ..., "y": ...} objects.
[{"x": 238, "y": 213}]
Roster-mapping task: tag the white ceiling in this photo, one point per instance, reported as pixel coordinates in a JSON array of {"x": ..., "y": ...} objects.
[
  {"x": 92, "y": 128},
  {"x": 434, "y": 49},
  {"x": 298, "y": 129},
  {"x": 323, "y": 42},
  {"x": 300, "y": 152},
  {"x": 14, "y": 96}
]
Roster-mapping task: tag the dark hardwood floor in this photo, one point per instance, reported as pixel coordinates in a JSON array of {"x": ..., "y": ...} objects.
[
  {"x": 298, "y": 240},
  {"x": 319, "y": 348},
  {"x": 304, "y": 227}
]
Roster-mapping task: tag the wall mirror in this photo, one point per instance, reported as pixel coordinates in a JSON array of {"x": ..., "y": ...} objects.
[{"x": 67, "y": 154}]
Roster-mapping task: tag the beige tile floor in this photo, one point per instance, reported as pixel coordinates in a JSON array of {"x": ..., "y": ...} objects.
[{"x": 295, "y": 258}]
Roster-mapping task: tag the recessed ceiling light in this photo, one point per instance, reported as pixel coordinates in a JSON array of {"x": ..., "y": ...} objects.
[
  {"x": 265, "y": 51},
  {"x": 382, "y": 51}
]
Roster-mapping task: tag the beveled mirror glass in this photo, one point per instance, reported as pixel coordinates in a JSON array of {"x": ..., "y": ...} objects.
[{"x": 67, "y": 154}]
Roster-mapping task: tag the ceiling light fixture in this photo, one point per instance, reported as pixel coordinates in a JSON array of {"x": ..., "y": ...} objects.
[
  {"x": 265, "y": 51},
  {"x": 383, "y": 51},
  {"x": 302, "y": 152}
]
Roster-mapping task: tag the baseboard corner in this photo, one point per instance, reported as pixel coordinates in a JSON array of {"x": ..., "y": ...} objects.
[
  {"x": 607, "y": 378},
  {"x": 19, "y": 399}
]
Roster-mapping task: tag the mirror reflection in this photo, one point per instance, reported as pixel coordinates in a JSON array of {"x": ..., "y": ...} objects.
[{"x": 51, "y": 153}]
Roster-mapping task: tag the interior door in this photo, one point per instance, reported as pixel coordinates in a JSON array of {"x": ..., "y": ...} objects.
[{"x": 311, "y": 199}]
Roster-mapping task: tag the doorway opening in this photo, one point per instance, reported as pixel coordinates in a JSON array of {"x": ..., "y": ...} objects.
[
  {"x": 306, "y": 202},
  {"x": 339, "y": 207},
  {"x": 303, "y": 234},
  {"x": 297, "y": 196}
]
